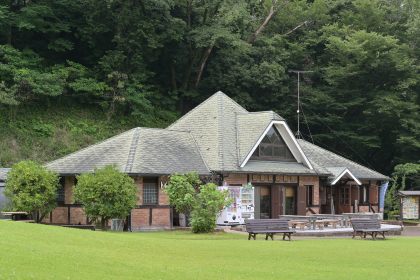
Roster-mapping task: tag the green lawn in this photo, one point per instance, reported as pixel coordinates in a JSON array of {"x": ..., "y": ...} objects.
[{"x": 31, "y": 251}]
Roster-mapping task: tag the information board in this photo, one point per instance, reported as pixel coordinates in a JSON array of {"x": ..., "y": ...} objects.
[{"x": 410, "y": 208}]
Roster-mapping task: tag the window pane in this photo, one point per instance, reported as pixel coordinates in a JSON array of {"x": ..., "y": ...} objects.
[
  {"x": 150, "y": 194},
  {"x": 266, "y": 140},
  {"x": 266, "y": 151},
  {"x": 279, "y": 151},
  {"x": 289, "y": 154},
  {"x": 255, "y": 154},
  {"x": 279, "y": 141},
  {"x": 272, "y": 135}
]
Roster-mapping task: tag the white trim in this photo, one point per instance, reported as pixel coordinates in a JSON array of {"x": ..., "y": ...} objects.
[
  {"x": 283, "y": 123},
  {"x": 342, "y": 174}
]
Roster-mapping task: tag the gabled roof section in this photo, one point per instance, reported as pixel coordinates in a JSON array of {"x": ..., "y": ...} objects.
[
  {"x": 326, "y": 158},
  {"x": 142, "y": 151},
  {"x": 3, "y": 174},
  {"x": 250, "y": 127},
  {"x": 288, "y": 138},
  {"x": 341, "y": 172},
  {"x": 213, "y": 124}
]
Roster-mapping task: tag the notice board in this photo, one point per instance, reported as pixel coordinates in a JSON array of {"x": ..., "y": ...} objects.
[{"x": 410, "y": 208}]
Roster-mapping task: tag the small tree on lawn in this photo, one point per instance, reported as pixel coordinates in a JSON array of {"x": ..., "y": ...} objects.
[
  {"x": 200, "y": 203},
  {"x": 392, "y": 202},
  {"x": 105, "y": 194},
  {"x": 31, "y": 187}
]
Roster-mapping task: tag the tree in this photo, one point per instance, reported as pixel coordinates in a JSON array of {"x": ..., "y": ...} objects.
[
  {"x": 182, "y": 192},
  {"x": 105, "y": 194},
  {"x": 207, "y": 206},
  {"x": 31, "y": 187},
  {"x": 199, "y": 203},
  {"x": 391, "y": 202},
  {"x": 411, "y": 171}
]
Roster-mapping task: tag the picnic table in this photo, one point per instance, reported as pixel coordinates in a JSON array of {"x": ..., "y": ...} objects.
[
  {"x": 16, "y": 216},
  {"x": 309, "y": 219},
  {"x": 343, "y": 219}
]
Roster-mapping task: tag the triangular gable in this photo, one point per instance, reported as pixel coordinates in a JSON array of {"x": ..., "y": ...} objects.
[
  {"x": 339, "y": 173},
  {"x": 288, "y": 138}
]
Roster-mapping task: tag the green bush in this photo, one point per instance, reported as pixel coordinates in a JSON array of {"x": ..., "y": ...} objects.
[
  {"x": 31, "y": 187},
  {"x": 201, "y": 204},
  {"x": 105, "y": 194}
]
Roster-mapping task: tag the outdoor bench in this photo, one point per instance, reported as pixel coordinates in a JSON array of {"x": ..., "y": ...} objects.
[
  {"x": 91, "y": 227},
  {"x": 367, "y": 226},
  {"x": 269, "y": 227}
]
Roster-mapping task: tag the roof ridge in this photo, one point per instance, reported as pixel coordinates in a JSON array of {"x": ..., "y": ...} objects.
[
  {"x": 132, "y": 152},
  {"x": 199, "y": 151},
  {"x": 218, "y": 94},
  {"x": 91, "y": 146},
  {"x": 341, "y": 157}
]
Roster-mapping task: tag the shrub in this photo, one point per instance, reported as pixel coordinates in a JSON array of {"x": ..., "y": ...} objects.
[
  {"x": 31, "y": 187},
  {"x": 105, "y": 194}
]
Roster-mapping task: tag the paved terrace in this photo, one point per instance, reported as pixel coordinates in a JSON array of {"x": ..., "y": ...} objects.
[{"x": 328, "y": 231}]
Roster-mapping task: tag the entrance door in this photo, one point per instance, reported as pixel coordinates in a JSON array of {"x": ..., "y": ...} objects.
[
  {"x": 276, "y": 201},
  {"x": 290, "y": 203},
  {"x": 345, "y": 199},
  {"x": 265, "y": 203}
]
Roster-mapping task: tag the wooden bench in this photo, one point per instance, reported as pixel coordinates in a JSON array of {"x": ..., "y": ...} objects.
[
  {"x": 269, "y": 227},
  {"x": 367, "y": 226},
  {"x": 26, "y": 221},
  {"x": 91, "y": 227},
  {"x": 300, "y": 224}
]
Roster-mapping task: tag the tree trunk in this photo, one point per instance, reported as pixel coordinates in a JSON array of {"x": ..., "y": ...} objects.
[
  {"x": 171, "y": 66},
  {"x": 273, "y": 11},
  {"x": 202, "y": 63},
  {"x": 103, "y": 224}
]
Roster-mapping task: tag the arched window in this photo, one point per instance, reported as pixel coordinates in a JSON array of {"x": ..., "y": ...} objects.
[{"x": 273, "y": 147}]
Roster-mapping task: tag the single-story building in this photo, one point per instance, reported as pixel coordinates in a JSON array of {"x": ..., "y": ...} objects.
[
  {"x": 219, "y": 138},
  {"x": 3, "y": 199}
]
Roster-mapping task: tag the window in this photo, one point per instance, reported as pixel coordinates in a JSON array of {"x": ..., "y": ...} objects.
[
  {"x": 150, "y": 193},
  {"x": 272, "y": 147},
  {"x": 60, "y": 190},
  {"x": 309, "y": 195}
]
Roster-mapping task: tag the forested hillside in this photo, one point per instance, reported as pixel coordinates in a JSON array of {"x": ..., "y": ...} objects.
[{"x": 74, "y": 72}]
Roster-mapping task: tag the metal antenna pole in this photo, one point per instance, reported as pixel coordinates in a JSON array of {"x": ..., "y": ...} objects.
[{"x": 298, "y": 134}]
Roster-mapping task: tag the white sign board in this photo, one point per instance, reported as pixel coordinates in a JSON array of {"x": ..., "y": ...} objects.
[{"x": 410, "y": 208}]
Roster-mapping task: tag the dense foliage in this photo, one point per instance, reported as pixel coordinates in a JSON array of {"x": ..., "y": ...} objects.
[
  {"x": 201, "y": 204},
  {"x": 158, "y": 59},
  {"x": 105, "y": 194},
  {"x": 32, "y": 188}
]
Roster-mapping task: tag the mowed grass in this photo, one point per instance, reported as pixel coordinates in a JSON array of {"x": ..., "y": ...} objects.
[{"x": 32, "y": 251}]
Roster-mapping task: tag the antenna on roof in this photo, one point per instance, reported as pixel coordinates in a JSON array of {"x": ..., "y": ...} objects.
[{"x": 298, "y": 134}]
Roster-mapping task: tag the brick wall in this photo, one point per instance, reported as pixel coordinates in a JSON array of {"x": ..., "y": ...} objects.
[
  {"x": 314, "y": 181},
  {"x": 139, "y": 183},
  {"x": 68, "y": 188},
  {"x": 140, "y": 217},
  {"x": 59, "y": 216},
  {"x": 76, "y": 216},
  {"x": 160, "y": 217},
  {"x": 163, "y": 197}
]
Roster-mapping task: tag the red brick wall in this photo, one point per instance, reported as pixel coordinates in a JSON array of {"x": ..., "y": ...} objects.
[
  {"x": 314, "y": 181},
  {"x": 76, "y": 216},
  {"x": 160, "y": 217},
  {"x": 68, "y": 188},
  {"x": 139, "y": 183},
  {"x": 140, "y": 217},
  {"x": 163, "y": 197},
  {"x": 366, "y": 209},
  {"x": 59, "y": 216}
]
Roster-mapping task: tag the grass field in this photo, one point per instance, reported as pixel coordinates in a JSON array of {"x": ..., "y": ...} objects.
[{"x": 32, "y": 251}]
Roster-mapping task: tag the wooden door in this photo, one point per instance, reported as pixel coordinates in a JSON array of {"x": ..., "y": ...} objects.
[
  {"x": 345, "y": 200},
  {"x": 301, "y": 201},
  {"x": 276, "y": 201}
]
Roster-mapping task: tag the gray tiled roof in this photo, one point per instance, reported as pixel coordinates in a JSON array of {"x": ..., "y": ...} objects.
[
  {"x": 328, "y": 159},
  {"x": 3, "y": 174},
  {"x": 213, "y": 125},
  {"x": 137, "y": 151},
  {"x": 407, "y": 193}
]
